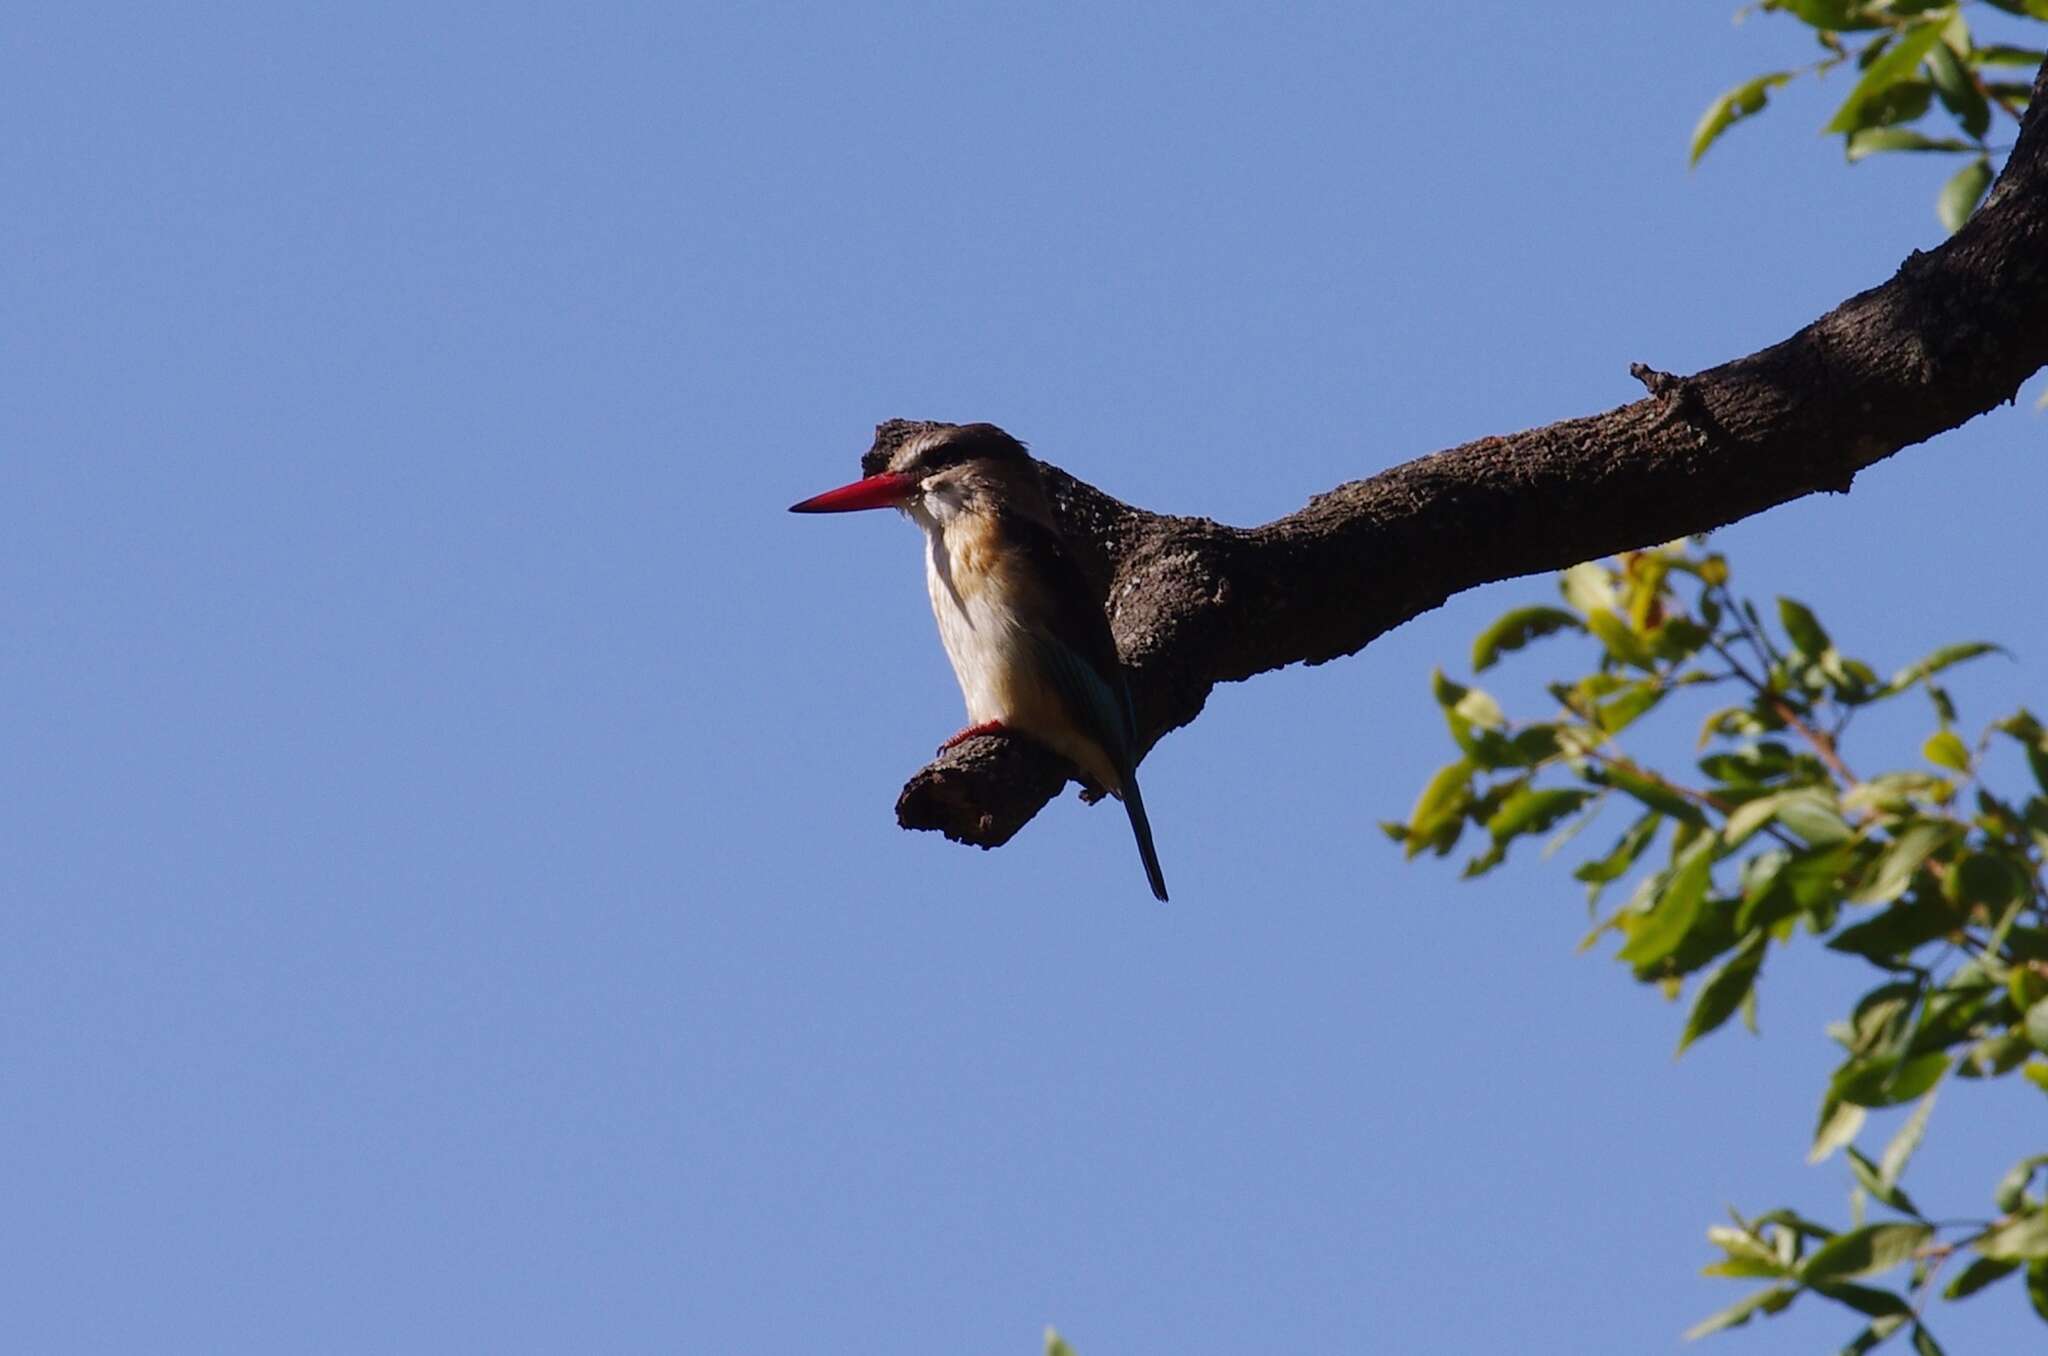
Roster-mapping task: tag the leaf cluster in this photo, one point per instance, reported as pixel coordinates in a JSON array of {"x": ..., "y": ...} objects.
[
  {"x": 1923, "y": 873},
  {"x": 1907, "y": 59}
]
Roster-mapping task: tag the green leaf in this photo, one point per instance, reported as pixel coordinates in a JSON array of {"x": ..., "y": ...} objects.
[
  {"x": 1766, "y": 896},
  {"x": 1480, "y": 709},
  {"x": 2000, "y": 54},
  {"x": 1872, "y": 1181},
  {"x": 1961, "y": 194},
  {"x": 1861, "y": 1252},
  {"x": 1750, "y": 816},
  {"x": 1517, "y": 629},
  {"x": 2037, "y": 1288},
  {"x": 1999, "y": 1054},
  {"x": 1805, "y": 631},
  {"x": 1631, "y": 703},
  {"x": 1589, "y": 689},
  {"x": 1624, "y": 853},
  {"x": 1733, "y": 720},
  {"x": 1621, "y": 641},
  {"x": 1904, "y": 102},
  {"x": 1872, "y": 140},
  {"x": 1881, "y": 1027},
  {"x": 1895, "y": 792},
  {"x": 1588, "y": 587},
  {"x": 1887, "y": 1082},
  {"x": 1711, "y": 935},
  {"x": 1914, "y": 1077},
  {"x": 1757, "y": 765},
  {"x": 1879, "y": 1304},
  {"x": 1532, "y": 744},
  {"x": 1742, "y": 1245},
  {"x": 1439, "y": 812},
  {"x": 1837, "y": 16},
  {"x": 2034, "y": 739},
  {"x": 1654, "y": 935},
  {"x": 1977, "y": 1275},
  {"x": 1959, "y": 93},
  {"x": 1951, "y": 1015},
  {"x": 1924, "y": 1343},
  {"x": 1748, "y": 1255},
  {"x": 1946, "y": 749},
  {"x": 1679, "y": 638},
  {"x": 1465, "y": 708},
  {"x": 1745, "y": 100},
  {"x": 2012, "y": 1188},
  {"x": 1724, "y": 990},
  {"x": 2022, "y": 725},
  {"x": 2037, "y": 1024},
  {"x": 1838, "y": 1125},
  {"x": 2023, "y": 986},
  {"x": 1530, "y": 811},
  {"x": 1055, "y": 1345},
  {"x": 2023, "y": 1239},
  {"x": 1898, "y": 63},
  {"x": 1447, "y": 692},
  {"x": 1744, "y": 1309},
  {"x": 1902, "y": 860},
  {"x": 1997, "y": 939},
  {"x": 1874, "y": 1334},
  {"x": 1654, "y": 794},
  {"x": 1814, "y": 816},
  {"x": 1944, "y": 709},
  {"x": 1813, "y": 877},
  {"x": 1888, "y": 939},
  {"x": 1796, "y": 1223},
  {"x": 1897, "y": 1153}
]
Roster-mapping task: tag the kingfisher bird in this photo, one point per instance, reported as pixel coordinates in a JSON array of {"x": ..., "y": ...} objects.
[{"x": 1029, "y": 644}]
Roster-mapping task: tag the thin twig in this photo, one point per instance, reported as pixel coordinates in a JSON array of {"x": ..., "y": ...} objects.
[{"x": 1823, "y": 744}]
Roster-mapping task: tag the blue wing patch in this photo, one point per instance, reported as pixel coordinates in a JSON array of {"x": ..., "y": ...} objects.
[{"x": 1103, "y": 712}]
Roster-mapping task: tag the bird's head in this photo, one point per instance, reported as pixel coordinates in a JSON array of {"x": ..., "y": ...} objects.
[{"x": 920, "y": 465}]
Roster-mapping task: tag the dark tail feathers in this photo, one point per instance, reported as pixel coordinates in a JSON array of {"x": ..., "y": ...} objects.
[{"x": 1134, "y": 805}]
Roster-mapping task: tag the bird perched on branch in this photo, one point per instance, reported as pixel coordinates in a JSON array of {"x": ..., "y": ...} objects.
[{"x": 1029, "y": 644}]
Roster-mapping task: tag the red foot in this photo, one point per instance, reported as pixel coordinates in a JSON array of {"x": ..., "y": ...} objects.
[{"x": 986, "y": 727}]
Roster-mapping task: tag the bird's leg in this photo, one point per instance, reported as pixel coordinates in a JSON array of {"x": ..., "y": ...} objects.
[{"x": 986, "y": 727}]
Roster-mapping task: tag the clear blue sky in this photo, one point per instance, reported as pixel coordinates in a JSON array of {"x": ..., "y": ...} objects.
[{"x": 452, "y": 896}]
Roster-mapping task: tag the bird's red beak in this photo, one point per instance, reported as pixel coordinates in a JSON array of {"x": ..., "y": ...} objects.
[{"x": 886, "y": 490}]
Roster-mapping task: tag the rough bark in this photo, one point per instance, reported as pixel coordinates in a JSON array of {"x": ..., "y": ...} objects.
[{"x": 1194, "y": 603}]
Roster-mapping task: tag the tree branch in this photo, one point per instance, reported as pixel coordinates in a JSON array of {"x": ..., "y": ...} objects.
[{"x": 1194, "y": 603}]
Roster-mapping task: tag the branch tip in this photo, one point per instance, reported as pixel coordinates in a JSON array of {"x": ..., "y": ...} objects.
[{"x": 1658, "y": 384}]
